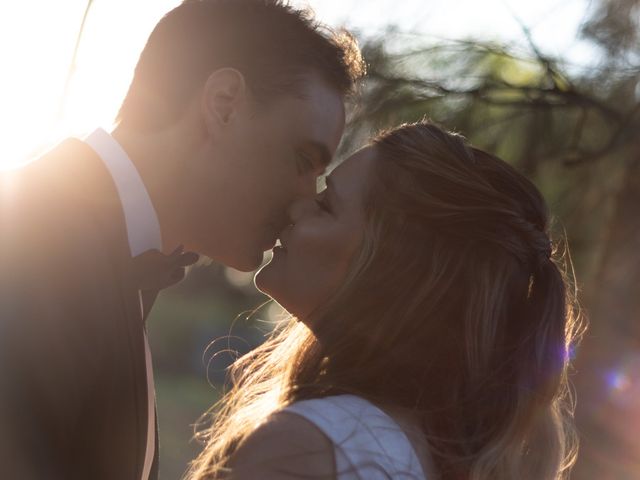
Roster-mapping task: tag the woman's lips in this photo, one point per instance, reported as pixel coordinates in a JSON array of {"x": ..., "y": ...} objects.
[{"x": 283, "y": 238}]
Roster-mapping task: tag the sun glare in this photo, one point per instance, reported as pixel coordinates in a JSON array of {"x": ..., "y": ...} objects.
[
  {"x": 37, "y": 42},
  {"x": 45, "y": 96}
]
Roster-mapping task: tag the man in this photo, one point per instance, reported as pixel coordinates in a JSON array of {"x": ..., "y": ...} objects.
[{"x": 235, "y": 108}]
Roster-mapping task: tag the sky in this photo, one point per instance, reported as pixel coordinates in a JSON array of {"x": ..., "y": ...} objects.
[{"x": 37, "y": 39}]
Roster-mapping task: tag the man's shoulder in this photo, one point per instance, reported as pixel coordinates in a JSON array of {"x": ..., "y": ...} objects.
[
  {"x": 62, "y": 220},
  {"x": 65, "y": 169},
  {"x": 67, "y": 192}
]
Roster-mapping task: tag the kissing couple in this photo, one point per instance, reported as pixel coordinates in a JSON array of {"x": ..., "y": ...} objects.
[{"x": 430, "y": 321}]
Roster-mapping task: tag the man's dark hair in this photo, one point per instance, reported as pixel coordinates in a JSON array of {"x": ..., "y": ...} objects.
[{"x": 272, "y": 44}]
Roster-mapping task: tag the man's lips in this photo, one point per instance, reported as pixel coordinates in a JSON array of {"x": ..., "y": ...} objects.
[
  {"x": 274, "y": 242},
  {"x": 276, "y": 239},
  {"x": 270, "y": 244}
]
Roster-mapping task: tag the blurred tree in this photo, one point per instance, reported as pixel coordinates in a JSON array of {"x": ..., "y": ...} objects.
[{"x": 576, "y": 133}]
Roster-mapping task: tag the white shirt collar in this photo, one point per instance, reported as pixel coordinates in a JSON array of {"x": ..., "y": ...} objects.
[
  {"x": 143, "y": 231},
  {"x": 143, "y": 228}
]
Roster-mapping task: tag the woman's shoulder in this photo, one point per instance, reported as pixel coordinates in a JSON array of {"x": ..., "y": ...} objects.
[
  {"x": 285, "y": 446},
  {"x": 326, "y": 436}
]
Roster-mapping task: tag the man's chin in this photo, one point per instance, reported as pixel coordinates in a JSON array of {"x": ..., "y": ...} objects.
[
  {"x": 249, "y": 263},
  {"x": 243, "y": 261}
]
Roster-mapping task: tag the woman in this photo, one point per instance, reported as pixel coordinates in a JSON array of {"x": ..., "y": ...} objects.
[{"x": 431, "y": 329}]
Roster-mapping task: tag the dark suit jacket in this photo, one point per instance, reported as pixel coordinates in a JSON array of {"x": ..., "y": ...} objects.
[{"x": 73, "y": 394}]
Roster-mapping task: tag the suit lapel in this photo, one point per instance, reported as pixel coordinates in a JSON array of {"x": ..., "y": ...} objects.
[
  {"x": 111, "y": 217},
  {"x": 137, "y": 304},
  {"x": 72, "y": 183}
]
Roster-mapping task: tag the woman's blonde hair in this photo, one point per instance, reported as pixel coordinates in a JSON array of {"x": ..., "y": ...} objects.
[{"x": 456, "y": 308}]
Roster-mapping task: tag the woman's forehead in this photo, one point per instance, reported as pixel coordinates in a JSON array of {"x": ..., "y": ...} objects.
[{"x": 349, "y": 180}]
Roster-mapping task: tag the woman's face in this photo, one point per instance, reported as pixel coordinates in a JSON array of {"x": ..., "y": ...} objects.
[{"x": 324, "y": 236}]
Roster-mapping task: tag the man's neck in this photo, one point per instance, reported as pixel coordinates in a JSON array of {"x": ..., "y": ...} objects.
[{"x": 156, "y": 156}]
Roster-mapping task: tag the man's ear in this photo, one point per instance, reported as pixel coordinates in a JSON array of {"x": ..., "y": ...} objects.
[{"x": 224, "y": 92}]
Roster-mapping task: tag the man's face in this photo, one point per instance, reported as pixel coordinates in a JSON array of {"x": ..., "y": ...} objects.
[{"x": 263, "y": 160}]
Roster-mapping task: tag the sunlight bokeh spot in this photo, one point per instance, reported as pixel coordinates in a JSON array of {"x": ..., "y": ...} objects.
[
  {"x": 623, "y": 382},
  {"x": 620, "y": 382}
]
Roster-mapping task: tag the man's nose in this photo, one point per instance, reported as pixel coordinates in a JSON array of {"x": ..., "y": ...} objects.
[
  {"x": 298, "y": 209},
  {"x": 305, "y": 194},
  {"x": 307, "y": 187}
]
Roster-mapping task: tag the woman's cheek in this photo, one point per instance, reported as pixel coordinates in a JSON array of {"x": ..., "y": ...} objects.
[{"x": 316, "y": 278}]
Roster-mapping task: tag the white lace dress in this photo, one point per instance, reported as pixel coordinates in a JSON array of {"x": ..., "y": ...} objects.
[{"x": 369, "y": 444}]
